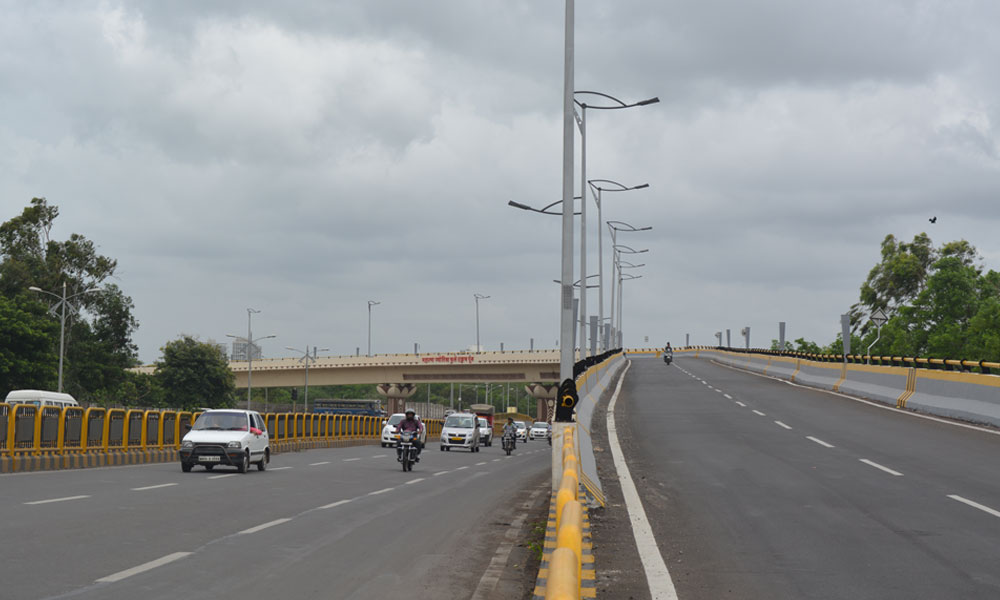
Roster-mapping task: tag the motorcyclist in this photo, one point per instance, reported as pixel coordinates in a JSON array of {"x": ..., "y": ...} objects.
[
  {"x": 511, "y": 429},
  {"x": 410, "y": 423}
]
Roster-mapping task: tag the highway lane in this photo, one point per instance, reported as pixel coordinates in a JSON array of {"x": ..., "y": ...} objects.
[
  {"x": 314, "y": 522},
  {"x": 758, "y": 489}
]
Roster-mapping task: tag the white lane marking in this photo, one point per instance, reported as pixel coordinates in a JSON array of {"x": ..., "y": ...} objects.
[
  {"x": 441, "y": 473},
  {"x": 819, "y": 441},
  {"x": 325, "y": 462},
  {"x": 334, "y": 504},
  {"x": 143, "y": 567},
  {"x": 780, "y": 424},
  {"x": 741, "y": 404},
  {"x": 380, "y": 456},
  {"x": 872, "y": 463},
  {"x": 262, "y": 526},
  {"x": 496, "y": 460},
  {"x": 984, "y": 508},
  {"x": 376, "y": 493},
  {"x": 757, "y": 412},
  {"x": 51, "y": 500},
  {"x": 412, "y": 481},
  {"x": 661, "y": 586},
  {"x": 153, "y": 487},
  {"x": 728, "y": 397},
  {"x": 278, "y": 468},
  {"x": 351, "y": 459},
  {"x": 718, "y": 390},
  {"x": 488, "y": 582},
  {"x": 223, "y": 476},
  {"x": 479, "y": 464},
  {"x": 460, "y": 468}
]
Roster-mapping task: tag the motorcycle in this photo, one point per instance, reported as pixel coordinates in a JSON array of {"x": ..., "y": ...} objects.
[
  {"x": 668, "y": 357},
  {"x": 508, "y": 443},
  {"x": 406, "y": 449}
]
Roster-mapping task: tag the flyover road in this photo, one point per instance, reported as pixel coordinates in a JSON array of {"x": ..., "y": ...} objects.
[
  {"x": 759, "y": 489},
  {"x": 338, "y": 523}
]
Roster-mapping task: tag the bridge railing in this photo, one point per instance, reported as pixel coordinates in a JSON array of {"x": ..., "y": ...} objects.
[{"x": 29, "y": 430}]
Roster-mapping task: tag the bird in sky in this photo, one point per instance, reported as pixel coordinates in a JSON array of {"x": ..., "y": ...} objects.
[{"x": 932, "y": 220}]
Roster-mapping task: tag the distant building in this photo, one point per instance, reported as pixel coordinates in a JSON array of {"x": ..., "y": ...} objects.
[{"x": 240, "y": 351}]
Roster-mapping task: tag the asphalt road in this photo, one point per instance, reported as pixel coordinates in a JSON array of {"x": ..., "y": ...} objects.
[
  {"x": 339, "y": 523},
  {"x": 759, "y": 489}
]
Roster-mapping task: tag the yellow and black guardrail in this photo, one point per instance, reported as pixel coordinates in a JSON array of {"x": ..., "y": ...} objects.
[
  {"x": 36, "y": 438},
  {"x": 567, "y": 569}
]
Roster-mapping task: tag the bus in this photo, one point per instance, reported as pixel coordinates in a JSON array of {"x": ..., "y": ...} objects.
[{"x": 337, "y": 406}]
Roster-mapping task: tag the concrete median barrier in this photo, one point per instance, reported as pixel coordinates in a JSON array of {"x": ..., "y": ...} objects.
[
  {"x": 884, "y": 384},
  {"x": 967, "y": 396}
]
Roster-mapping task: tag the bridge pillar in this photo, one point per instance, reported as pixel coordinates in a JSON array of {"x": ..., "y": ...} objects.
[
  {"x": 396, "y": 395},
  {"x": 545, "y": 394}
]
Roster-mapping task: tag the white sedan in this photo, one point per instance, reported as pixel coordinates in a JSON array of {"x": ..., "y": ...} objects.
[{"x": 540, "y": 430}]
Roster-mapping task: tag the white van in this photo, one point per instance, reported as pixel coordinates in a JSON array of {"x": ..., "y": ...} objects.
[{"x": 40, "y": 398}]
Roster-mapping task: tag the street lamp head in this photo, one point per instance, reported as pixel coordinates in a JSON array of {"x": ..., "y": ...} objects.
[
  {"x": 36, "y": 289},
  {"x": 373, "y": 303},
  {"x": 519, "y": 205},
  {"x": 640, "y": 186},
  {"x": 253, "y": 311},
  {"x": 480, "y": 296},
  {"x": 648, "y": 101}
]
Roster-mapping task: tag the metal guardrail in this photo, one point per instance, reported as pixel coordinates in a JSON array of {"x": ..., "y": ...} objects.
[{"x": 28, "y": 430}]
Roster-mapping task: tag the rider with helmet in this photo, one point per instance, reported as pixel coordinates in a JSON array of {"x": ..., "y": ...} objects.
[
  {"x": 410, "y": 423},
  {"x": 511, "y": 429}
]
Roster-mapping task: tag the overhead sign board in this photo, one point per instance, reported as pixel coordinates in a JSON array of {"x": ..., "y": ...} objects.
[{"x": 879, "y": 318}]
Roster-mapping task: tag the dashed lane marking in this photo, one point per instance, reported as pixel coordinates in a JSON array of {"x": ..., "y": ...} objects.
[
  {"x": 382, "y": 491},
  {"x": 741, "y": 404},
  {"x": 380, "y": 456},
  {"x": 441, "y": 473},
  {"x": 51, "y": 500},
  {"x": 757, "y": 412},
  {"x": 223, "y": 476},
  {"x": 460, "y": 468},
  {"x": 153, "y": 487},
  {"x": 325, "y": 462},
  {"x": 728, "y": 397},
  {"x": 351, "y": 459},
  {"x": 780, "y": 424},
  {"x": 334, "y": 504},
  {"x": 263, "y": 526},
  {"x": 412, "y": 481},
  {"x": 982, "y": 507},
  {"x": 479, "y": 464},
  {"x": 143, "y": 567},
  {"x": 872, "y": 463},
  {"x": 279, "y": 468},
  {"x": 819, "y": 441}
]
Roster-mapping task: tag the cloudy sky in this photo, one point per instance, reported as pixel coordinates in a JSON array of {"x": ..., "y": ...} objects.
[{"x": 302, "y": 158}]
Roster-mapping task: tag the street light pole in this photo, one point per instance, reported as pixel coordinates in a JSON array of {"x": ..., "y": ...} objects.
[
  {"x": 307, "y": 359},
  {"x": 478, "y": 297},
  {"x": 62, "y": 322},
  {"x": 566, "y": 353},
  {"x": 371, "y": 303},
  {"x": 250, "y": 342}
]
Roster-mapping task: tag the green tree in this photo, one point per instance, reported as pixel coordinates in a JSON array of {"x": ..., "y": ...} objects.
[
  {"x": 27, "y": 359},
  {"x": 194, "y": 374},
  {"x": 99, "y": 344}
]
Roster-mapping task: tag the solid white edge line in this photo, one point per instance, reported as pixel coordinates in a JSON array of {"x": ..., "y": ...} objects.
[
  {"x": 973, "y": 504},
  {"x": 143, "y": 567},
  {"x": 661, "y": 586},
  {"x": 382, "y": 491},
  {"x": 819, "y": 441},
  {"x": 872, "y": 463},
  {"x": 334, "y": 504},
  {"x": 412, "y": 481},
  {"x": 262, "y": 526},
  {"x": 757, "y": 412},
  {"x": 51, "y": 500},
  {"x": 153, "y": 487},
  {"x": 780, "y": 424}
]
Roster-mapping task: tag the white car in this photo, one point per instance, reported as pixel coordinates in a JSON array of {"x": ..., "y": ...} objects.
[
  {"x": 235, "y": 438},
  {"x": 460, "y": 430},
  {"x": 485, "y": 432},
  {"x": 522, "y": 431},
  {"x": 389, "y": 437},
  {"x": 540, "y": 430}
]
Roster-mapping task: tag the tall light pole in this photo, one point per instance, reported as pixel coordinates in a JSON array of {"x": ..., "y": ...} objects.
[
  {"x": 478, "y": 297},
  {"x": 371, "y": 303},
  {"x": 61, "y": 306},
  {"x": 615, "y": 227},
  {"x": 566, "y": 354},
  {"x": 307, "y": 359},
  {"x": 620, "y": 249},
  {"x": 581, "y": 122},
  {"x": 250, "y": 343},
  {"x": 596, "y": 189}
]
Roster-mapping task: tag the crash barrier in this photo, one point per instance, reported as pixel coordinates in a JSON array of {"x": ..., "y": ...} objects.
[
  {"x": 33, "y": 438},
  {"x": 934, "y": 386},
  {"x": 567, "y": 568}
]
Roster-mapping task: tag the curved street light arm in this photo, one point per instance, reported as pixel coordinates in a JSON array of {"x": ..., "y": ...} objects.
[
  {"x": 626, "y": 226},
  {"x": 619, "y": 104}
]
